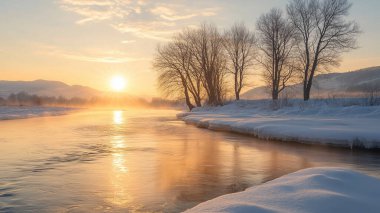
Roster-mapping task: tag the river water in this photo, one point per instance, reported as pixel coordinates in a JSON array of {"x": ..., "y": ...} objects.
[{"x": 142, "y": 161}]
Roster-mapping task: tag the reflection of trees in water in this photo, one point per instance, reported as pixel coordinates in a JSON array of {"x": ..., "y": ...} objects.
[
  {"x": 201, "y": 165},
  {"x": 195, "y": 172},
  {"x": 239, "y": 182},
  {"x": 280, "y": 164}
]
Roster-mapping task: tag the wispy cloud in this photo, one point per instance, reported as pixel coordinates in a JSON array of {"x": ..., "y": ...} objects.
[
  {"x": 176, "y": 12},
  {"x": 128, "y": 41},
  {"x": 88, "y": 55},
  {"x": 142, "y": 18},
  {"x": 97, "y": 10},
  {"x": 157, "y": 30}
]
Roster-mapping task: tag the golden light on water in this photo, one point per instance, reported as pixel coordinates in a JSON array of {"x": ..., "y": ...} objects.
[
  {"x": 118, "y": 118},
  {"x": 118, "y": 143},
  {"x": 119, "y": 163},
  {"x": 118, "y": 83}
]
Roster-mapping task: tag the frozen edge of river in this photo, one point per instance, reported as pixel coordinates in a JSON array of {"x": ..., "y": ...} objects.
[
  {"x": 13, "y": 112},
  {"x": 309, "y": 190},
  {"x": 353, "y": 126}
]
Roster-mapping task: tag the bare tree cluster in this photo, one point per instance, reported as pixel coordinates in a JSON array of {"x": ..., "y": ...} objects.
[
  {"x": 195, "y": 64},
  {"x": 200, "y": 65}
]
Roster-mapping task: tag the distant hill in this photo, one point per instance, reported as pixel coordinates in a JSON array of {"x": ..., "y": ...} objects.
[
  {"x": 325, "y": 85},
  {"x": 47, "y": 88}
]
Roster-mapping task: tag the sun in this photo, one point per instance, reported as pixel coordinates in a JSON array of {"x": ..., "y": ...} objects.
[{"x": 118, "y": 83}]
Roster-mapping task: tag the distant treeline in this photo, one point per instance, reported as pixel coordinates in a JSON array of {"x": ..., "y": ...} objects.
[{"x": 25, "y": 99}]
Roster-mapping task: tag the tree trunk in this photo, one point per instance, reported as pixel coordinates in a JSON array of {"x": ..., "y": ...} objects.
[
  {"x": 306, "y": 94},
  {"x": 309, "y": 82},
  {"x": 236, "y": 85},
  {"x": 237, "y": 95},
  {"x": 186, "y": 93},
  {"x": 187, "y": 98},
  {"x": 198, "y": 102},
  {"x": 274, "y": 95}
]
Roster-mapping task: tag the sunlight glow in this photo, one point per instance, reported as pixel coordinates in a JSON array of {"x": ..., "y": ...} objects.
[
  {"x": 118, "y": 143},
  {"x": 118, "y": 83},
  {"x": 118, "y": 117}
]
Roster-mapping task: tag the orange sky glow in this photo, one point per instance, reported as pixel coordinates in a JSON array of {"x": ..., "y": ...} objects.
[{"x": 86, "y": 42}]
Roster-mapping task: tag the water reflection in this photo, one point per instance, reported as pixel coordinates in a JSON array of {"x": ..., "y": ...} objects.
[
  {"x": 118, "y": 118},
  {"x": 142, "y": 162},
  {"x": 118, "y": 142},
  {"x": 120, "y": 195}
]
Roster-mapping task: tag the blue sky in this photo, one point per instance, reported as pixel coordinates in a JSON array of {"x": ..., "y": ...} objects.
[{"x": 87, "y": 41}]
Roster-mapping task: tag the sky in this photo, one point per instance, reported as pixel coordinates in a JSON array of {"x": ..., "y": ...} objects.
[{"x": 86, "y": 42}]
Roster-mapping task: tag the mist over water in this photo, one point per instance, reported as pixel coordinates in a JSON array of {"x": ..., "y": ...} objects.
[{"x": 143, "y": 161}]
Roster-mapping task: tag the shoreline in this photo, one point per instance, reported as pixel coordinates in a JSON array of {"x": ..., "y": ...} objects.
[
  {"x": 8, "y": 113},
  {"x": 291, "y": 124}
]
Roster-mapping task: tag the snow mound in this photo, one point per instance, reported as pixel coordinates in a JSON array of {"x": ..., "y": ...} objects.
[
  {"x": 309, "y": 190},
  {"x": 11, "y": 113},
  {"x": 338, "y": 124}
]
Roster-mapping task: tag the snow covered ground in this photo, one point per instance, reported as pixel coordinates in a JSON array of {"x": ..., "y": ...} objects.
[
  {"x": 346, "y": 122},
  {"x": 309, "y": 190},
  {"x": 10, "y": 113}
]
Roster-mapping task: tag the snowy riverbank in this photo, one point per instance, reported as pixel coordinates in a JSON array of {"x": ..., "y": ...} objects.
[
  {"x": 346, "y": 123},
  {"x": 309, "y": 190},
  {"x": 15, "y": 112}
]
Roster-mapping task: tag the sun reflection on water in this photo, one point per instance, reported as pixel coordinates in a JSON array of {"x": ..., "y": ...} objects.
[
  {"x": 119, "y": 162},
  {"x": 118, "y": 118},
  {"x": 120, "y": 196},
  {"x": 118, "y": 142}
]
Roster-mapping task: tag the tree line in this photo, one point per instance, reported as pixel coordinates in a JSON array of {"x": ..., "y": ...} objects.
[
  {"x": 26, "y": 99},
  {"x": 202, "y": 64}
]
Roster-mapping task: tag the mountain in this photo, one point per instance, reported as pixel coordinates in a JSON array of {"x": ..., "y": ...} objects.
[
  {"x": 332, "y": 84},
  {"x": 47, "y": 88}
]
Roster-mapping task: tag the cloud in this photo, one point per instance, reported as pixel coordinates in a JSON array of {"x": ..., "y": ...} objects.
[
  {"x": 128, "y": 41},
  {"x": 97, "y": 10},
  {"x": 87, "y": 2},
  {"x": 152, "y": 30},
  {"x": 99, "y": 56},
  {"x": 141, "y": 18},
  {"x": 175, "y": 13}
]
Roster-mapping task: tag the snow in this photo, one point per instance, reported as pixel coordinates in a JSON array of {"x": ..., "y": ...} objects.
[
  {"x": 346, "y": 122},
  {"x": 10, "y": 113},
  {"x": 309, "y": 190}
]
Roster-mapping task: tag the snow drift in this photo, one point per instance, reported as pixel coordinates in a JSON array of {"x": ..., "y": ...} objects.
[{"x": 309, "y": 190}]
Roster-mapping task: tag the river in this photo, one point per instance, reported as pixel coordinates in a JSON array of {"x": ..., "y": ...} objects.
[{"x": 142, "y": 161}]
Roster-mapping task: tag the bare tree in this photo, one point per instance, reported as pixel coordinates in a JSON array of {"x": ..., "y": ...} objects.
[
  {"x": 240, "y": 47},
  {"x": 324, "y": 33},
  {"x": 276, "y": 43},
  {"x": 186, "y": 59},
  {"x": 209, "y": 59},
  {"x": 172, "y": 79}
]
